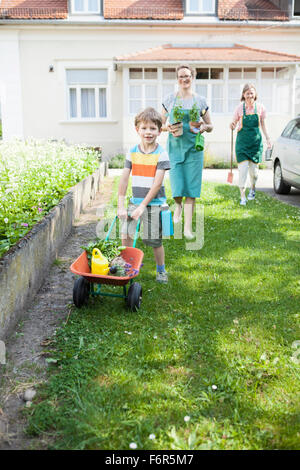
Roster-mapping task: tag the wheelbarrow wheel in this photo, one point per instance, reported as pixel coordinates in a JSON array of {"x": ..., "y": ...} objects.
[
  {"x": 134, "y": 297},
  {"x": 81, "y": 292}
]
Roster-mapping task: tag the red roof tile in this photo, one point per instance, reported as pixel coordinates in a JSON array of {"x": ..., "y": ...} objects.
[
  {"x": 143, "y": 9},
  {"x": 234, "y": 53},
  {"x": 250, "y": 10},
  {"x": 34, "y": 9}
]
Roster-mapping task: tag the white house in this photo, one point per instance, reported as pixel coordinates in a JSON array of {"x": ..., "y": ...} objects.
[{"x": 80, "y": 70}]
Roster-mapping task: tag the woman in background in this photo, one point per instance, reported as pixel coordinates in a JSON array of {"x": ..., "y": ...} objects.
[{"x": 250, "y": 117}]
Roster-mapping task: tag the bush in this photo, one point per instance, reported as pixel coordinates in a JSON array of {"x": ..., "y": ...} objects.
[
  {"x": 211, "y": 162},
  {"x": 35, "y": 175},
  {"x": 117, "y": 161}
]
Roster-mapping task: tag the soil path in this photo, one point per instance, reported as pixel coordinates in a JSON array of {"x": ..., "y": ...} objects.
[{"x": 26, "y": 366}]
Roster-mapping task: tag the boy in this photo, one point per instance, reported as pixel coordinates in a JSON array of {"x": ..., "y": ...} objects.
[{"x": 148, "y": 162}]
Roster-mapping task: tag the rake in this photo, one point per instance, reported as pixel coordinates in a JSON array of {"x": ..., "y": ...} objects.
[{"x": 230, "y": 174}]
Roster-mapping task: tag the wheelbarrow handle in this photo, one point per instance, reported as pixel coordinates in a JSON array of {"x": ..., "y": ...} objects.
[
  {"x": 110, "y": 228},
  {"x": 135, "y": 235},
  {"x": 231, "y": 153}
]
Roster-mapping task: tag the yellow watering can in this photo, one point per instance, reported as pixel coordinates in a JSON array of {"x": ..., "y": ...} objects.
[{"x": 100, "y": 264}]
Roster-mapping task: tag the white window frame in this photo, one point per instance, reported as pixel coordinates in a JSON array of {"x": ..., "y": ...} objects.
[
  {"x": 85, "y": 8},
  {"x": 168, "y": 81},
  {"x": 293, "y": 10},
  {"x": 209, "y": 82},
  {"x": 239, "y": 83},
  {"x": 225, "y": 82},
  {"x": 96, "y": 87},
  {"x": 200, "y": 10},
  {"x": 143, "y": 83},
  {"x": 274, "y": 82}
]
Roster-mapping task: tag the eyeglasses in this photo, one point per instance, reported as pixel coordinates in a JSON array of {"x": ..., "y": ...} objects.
[{"x": 182, "y": 77}]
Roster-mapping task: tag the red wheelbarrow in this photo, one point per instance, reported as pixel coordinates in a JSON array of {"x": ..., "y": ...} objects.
[{"x": 91, "y": 284}]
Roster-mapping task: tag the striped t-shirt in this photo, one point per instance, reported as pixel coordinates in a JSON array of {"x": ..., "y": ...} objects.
[{"x": 143, "y": 168}]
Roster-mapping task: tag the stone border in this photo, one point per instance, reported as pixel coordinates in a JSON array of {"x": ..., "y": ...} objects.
[{"x": 24, "y": 268}]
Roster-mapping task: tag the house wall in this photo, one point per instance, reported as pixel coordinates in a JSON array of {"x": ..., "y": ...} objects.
[
  {"x": 38, "y": 107},
  {"x": 10, "y": 85}
]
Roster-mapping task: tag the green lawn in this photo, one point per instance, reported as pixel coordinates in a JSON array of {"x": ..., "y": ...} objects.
[{"x": 207, "y": 362}]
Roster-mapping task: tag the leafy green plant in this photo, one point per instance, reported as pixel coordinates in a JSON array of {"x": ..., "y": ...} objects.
[
  {"x": 194, "y": 113},
  {"x": 178, "y": 113},
  {"x": 35, "y": 176},
  {"x": 109, "y": 248},
  {"x": 117, "y": 161}
]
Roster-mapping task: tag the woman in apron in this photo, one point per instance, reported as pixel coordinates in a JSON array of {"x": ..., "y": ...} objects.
[
  {"x": 186, "y": 162},
  {"x": 250, "y": 117}
]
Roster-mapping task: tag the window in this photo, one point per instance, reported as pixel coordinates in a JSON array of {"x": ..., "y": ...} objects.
[
  {"x": 250, "y": 73},
  {"x": 169, "y": 74},
  {"x": 86, "y": 6},
  {"x": 143, "y": 89},
  {"x": 288, "y": 129},
  {"x": 87, "y": 93},
  {"x": 200, "y": 6},
  {"x": 282, "y": 73},
  {"x": 247, "y": 73},
  {"x": 274, "y": 90},
  {"x": 267, "y": 72},
  {"x": 237, "y": 77},
  {"x": 296, "y": 7},
  {"x": 210, "y": 84},
  {"x": 296, "y": 132},
  {"x": 235, "y": 73},
  {"x": 135, "y": 98},
  {"x": 234, "y": 96},
  {"x": 169, "y": 84},
  {"x": 216, "y": 98},
  {"x": 266, "y": 95}
]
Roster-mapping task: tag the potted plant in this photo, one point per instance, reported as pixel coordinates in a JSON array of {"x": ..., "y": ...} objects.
[
  {"x": 194, "y": 117},
  {"x": 177, "y": 126}
]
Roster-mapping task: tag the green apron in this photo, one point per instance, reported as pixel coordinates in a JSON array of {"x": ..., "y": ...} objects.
[
  {"x": 249, "y": 144},
  {"x": 186, "y": 162}
]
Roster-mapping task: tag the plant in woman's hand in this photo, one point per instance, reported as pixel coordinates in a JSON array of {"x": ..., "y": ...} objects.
[
  {"x": 194, "y": 113},
  {"x": 178, "y": 113}
]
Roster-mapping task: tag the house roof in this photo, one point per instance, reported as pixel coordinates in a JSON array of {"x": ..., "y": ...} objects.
[
  {"x": 143, "y": 9},
  {"x": 250, "y": 10},
  {"x": 34, "y": 9},
  {"x": 207, "y": 53}
]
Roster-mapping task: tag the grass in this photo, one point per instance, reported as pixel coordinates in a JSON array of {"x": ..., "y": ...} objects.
[{"x": 206, "y": 363}]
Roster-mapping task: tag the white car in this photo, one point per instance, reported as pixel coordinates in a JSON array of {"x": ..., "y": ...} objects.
[{"x": 286, "y": 158}]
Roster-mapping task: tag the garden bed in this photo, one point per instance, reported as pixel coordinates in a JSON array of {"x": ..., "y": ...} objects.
[{"x": 24, "y": 266}]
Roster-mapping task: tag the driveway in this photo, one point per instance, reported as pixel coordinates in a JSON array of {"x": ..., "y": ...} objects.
[{"x": 264, "y": 183}]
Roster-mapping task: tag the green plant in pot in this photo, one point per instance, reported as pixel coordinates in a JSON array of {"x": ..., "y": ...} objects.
[
  {"x": 194, "y": 120},
  {"x": 194, "y": 116},
  {"x": 178, "y": 115}
]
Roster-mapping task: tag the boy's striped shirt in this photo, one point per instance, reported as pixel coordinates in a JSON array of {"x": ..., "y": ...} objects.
[{"x": 143, "y": 168}]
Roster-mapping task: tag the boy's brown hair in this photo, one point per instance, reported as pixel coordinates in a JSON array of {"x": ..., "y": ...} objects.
[{"x": 149, "y": 114}]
